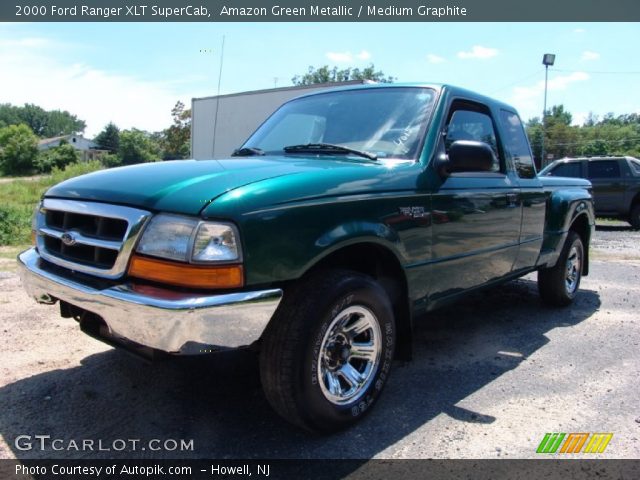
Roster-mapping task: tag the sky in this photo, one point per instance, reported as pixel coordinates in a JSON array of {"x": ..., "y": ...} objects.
[{"x": 132, "y": 74}]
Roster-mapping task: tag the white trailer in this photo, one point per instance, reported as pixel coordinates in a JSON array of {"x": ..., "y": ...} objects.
[{"x": 238, "y": 116}]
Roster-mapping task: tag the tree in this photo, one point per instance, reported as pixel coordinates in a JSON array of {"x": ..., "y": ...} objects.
[
  {"x": 35, "y": 117},
  {"x": 43, "y": 123},
  {"x": 558, "y": 115},
  {"x": 137, "y": 147},
  {"x": 534, "y": 132},
  {"x": 57, "y": 157},
  {"x": 62, "y": 123},
  {"x": 176, "y": 138},
  {"x": 109, "y": 138},
  {"x": 18, "y": 149},
  {"x": 611, "y": 135},
  {"x": 325, "y": 74},
  {"x": 9, "y": 115}
]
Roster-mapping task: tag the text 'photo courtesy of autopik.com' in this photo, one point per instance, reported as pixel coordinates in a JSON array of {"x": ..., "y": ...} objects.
[{"x": 319, "y": 239}]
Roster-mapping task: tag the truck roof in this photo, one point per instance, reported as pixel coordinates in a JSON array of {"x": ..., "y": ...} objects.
[{"x": 439, "y": 87}]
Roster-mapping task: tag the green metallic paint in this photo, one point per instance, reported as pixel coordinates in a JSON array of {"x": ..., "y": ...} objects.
[
  {"x": 459, "y": 233},
  {"x": 290, "y": 222},
  {"x": 568, "y": 198},
  {"x": 183, "y": 186}
]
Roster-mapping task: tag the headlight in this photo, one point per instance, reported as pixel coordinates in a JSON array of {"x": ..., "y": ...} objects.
[
  {"x": 215, "y": 242},
  {"x": 185, "y": 239}
]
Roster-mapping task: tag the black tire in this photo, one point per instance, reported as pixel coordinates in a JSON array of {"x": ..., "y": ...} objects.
[
  {"x": 634, "y": 217},
  {"x": 310, "y": 334},
  {"x": 558, "y": 285}
]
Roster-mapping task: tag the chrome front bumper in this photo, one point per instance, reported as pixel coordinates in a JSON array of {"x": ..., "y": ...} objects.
[{"x": 158, "y": 318}]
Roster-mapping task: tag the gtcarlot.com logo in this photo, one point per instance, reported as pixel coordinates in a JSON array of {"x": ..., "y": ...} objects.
[
  {"x": 574, "y": 443},
  {"x": 47, "y": 443}
]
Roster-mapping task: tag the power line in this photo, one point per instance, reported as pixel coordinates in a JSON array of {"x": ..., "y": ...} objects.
[
  {"x": 595, "y": 140},
  {"x": 537, "y": 72},
  {"x": 596, "y": 72}
]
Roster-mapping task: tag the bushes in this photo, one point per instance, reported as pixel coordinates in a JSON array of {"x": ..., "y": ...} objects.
[
  {"x": 110, "y": 160},
  {"x": 137, "y": 146},
  {"x": 18, "y": 149},
  {"x": 57, "y": 157},
  {"x": 19, "y": 154},
  {"x": 19, "y": 198},
  {"x": 73, "y": 170},
  {"x": 15, "y": 224}
]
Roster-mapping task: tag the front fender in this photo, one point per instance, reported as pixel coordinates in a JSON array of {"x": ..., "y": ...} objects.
[
  {"x": 357, "y": 232},
  {"x": 281, "y": 244}
]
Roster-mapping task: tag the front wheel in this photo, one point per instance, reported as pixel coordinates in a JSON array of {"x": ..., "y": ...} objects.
[
  {"x": 327, "y": 352},
  {"x": 558, "y": 285}
]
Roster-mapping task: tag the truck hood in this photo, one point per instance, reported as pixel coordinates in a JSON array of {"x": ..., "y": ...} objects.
[{"x": 186, "y": 186}]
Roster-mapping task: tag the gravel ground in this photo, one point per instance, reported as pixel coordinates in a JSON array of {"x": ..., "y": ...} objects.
[{"x": 491, "y": 376}]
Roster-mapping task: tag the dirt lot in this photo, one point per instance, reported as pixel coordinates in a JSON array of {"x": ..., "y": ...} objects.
[{"x": 490, "y": 377}]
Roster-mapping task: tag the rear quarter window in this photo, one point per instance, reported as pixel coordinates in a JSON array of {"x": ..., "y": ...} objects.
[{"x": 516, "y": 144}]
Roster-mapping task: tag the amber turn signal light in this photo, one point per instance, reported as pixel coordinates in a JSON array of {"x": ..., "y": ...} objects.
[{"x": 186, "y": 275}]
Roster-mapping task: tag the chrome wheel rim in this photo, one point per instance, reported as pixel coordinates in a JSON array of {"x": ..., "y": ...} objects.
[
  {"x": 574, "y": 265},
  {"x": 349, "y": 355}
]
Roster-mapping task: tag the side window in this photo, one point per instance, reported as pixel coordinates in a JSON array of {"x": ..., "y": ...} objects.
[
  {"x": 517, "y": 145},
  {"x": 604, "y": 169},
  {"x": 472, "y": 125},
  {"x": 635, "y": 167},
  {"x": 569, "y": 169}
]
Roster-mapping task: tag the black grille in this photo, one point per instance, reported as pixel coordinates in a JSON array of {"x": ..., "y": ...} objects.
[
  {"x": 90, "y": 226},
  {"x": 104, "y": 228},
  {"x": 83, "y": 254}
]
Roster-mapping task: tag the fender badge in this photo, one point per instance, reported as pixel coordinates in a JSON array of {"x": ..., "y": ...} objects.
[{"x": 413, "y": 212}]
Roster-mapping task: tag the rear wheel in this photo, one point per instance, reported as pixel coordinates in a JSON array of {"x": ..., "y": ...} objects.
[
  {"x": 634, "y": 217},
  {"x": 327, "y": 353},
  {"x": 558, "y": 285}
]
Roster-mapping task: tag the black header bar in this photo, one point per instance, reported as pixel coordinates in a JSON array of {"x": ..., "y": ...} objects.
[{"x": 319, "y": 11}]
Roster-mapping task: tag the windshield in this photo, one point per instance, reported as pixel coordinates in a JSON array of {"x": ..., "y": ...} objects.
[{"x": 386, "y": 122}]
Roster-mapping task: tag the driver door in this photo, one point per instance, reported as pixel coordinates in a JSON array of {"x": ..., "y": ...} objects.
[{"x": 476, "y": 215}]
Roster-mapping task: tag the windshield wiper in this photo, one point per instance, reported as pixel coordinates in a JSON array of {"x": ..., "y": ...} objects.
[
  {"x": 328, "y": 148},
  {"x": 247, "y": 152}
]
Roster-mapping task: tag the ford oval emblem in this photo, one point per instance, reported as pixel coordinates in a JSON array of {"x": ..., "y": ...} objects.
[{"x": 68, "y": 239}]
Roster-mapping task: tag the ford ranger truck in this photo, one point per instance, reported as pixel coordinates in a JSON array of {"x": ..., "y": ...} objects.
[{"x": 346, "y": 214}]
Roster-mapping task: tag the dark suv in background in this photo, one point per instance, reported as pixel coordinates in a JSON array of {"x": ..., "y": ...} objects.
[{"x": 616, "y": 183}]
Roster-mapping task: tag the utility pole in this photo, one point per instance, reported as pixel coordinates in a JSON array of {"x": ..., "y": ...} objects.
[{"x": 547, "y": 59}]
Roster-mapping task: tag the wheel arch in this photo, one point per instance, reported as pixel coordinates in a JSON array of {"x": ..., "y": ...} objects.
[
  {"x": 568, "y": 209},
  {"x": 381, "y": 263}
]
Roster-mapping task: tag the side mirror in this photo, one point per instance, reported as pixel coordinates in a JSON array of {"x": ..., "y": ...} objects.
[{"x": 470, "y": 156}]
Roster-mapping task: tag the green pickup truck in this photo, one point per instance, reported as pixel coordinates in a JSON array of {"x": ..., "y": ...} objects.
[{"x": 346, "y": 214}]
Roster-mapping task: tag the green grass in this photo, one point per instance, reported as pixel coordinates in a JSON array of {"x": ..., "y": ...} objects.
[{"x": 18, "y": 199}]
